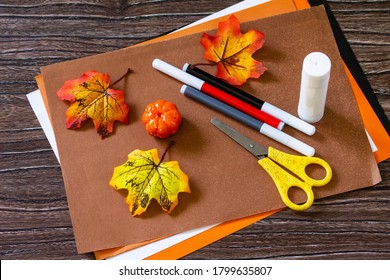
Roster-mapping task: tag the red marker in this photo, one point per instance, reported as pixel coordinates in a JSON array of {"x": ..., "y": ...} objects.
[{"x": 201, "y": 85}]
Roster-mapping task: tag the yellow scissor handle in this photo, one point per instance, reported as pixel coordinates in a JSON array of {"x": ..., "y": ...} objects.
[
  {"x": 298, "y": 164},
  {"x": 284, "y": 180}
]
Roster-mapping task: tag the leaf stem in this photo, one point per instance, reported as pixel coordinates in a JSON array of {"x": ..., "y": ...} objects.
[
  {"x": 171, "y": 143},
  {"x": 117, "y": 81}
]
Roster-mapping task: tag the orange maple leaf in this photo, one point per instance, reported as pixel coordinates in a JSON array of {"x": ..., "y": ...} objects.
[
  {"x": 91, "y": 96},
  {"x": 232, "y": 51}
]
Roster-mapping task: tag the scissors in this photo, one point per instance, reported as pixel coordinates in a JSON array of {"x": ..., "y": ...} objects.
[{"x": 272, "y": 159}]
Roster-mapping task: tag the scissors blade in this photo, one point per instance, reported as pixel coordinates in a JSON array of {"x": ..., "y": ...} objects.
[{"x": 251, "y": 146}]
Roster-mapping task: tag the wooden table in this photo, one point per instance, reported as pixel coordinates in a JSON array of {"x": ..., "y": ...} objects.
[{"x": 34, "y": 216}]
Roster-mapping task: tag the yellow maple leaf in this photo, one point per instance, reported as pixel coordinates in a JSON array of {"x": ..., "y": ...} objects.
[
  {"x": 232, "y": 51},
  {"x": 146, "y": 177}
]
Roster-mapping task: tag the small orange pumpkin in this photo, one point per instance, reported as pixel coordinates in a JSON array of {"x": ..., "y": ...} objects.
[{"x": 161, "y": 119}]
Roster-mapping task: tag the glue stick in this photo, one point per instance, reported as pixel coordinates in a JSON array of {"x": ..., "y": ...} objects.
[{"x": 314, "y": 87}]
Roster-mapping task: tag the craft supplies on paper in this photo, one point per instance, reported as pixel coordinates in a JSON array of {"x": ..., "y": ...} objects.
[
  {"x": 198, "y": 146},
  {"x": 314, "y": 86}
]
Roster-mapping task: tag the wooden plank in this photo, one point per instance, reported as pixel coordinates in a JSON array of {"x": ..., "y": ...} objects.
[{"x": 34, "y": 216}]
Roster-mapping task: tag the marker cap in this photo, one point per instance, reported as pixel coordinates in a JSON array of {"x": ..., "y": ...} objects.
[
  {"x": 287, "y": 140},
  {"x": 289, "y": 119}
]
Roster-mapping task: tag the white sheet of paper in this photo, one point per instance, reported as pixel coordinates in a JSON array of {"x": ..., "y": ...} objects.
[
  {"x": 38, "y": 106},
  {"x": 229, "y": 10},
  {"x": 372, "y": 144},
  {"x": 157, "y": 246}
]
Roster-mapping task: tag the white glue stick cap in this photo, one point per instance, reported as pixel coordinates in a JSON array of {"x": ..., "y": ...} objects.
[{"x": 314, "y": 87}]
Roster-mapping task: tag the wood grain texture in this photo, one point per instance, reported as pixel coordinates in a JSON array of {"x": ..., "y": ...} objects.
[{"x": 34, "y": 216}]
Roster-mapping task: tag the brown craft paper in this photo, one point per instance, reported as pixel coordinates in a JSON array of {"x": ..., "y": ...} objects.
[{"x": 226, "y": 181}]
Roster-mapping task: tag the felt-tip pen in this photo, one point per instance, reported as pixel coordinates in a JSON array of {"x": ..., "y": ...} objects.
[
  {"x": 201, "y": 85},
  {"x": 259, "y": 126},
  {"x": 285, "y": 117}
]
